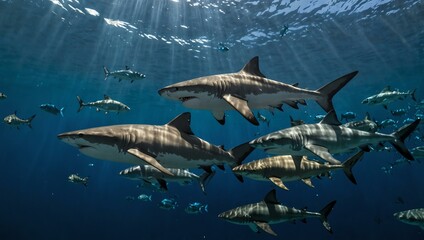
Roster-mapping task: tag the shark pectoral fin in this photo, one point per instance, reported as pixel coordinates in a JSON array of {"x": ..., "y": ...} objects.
[
  {"x": 162, "y": 184},
  {"x": 265, "y": 226},
  {"x": 254, "y": 227},
  {"x": 149, "y": 159},
  {"x": 308, "y": 182},
  {"x": 322, "y": 152},
  {"x": 277, "y": 181},
  {"x": 219, "y": 116},
  {"x": 241, "y": 106}
]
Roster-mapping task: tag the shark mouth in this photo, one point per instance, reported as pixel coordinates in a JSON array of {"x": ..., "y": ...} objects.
[{"x": 185, "y": 99}]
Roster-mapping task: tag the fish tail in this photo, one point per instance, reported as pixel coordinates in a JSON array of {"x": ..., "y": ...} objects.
[
  {"x": 413, "y": 95},
  {"x": 204, "y": 179},
  {"x": 399, "y": 139},
  {"x": 30, "y": 120},
  {"x": 324, "y": 215},
  {"x": 240, "y": 153},
  {"x": 348, "y": 165},
  {"x": 206, "y": 208},
  {"x": 328, "y": 91},
  {"x": 81, "y": 103},
  {"x": 61, "y": 111},
  {"x": 106, "y": 71}
]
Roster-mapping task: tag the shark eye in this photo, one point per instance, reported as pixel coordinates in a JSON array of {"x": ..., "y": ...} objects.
[
  {"x": 174, "y": 89},
  {"x": 80, "y": 135}
]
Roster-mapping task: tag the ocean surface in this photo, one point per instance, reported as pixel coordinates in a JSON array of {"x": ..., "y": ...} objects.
[{"x": 54, "y": 50}]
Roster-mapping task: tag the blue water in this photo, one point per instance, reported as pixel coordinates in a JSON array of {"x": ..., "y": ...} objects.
[{"x": 52, "y": 51}]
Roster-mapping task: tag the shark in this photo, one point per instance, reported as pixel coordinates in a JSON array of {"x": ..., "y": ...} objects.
[
  {"x": 285, "y": 168},
  {"x": 388, "y": 95},
  {"x": 14, "y": 120},
  {"x": 270, "y": 211},
  {"x": 247, "y": 90},
  {"x": 329, "y": 137},
  {"x": 172, "y": 145},
  {"x": 151, "y": 174},
  {"x": 412, "y": 217},
  {"x": 107, "y": 105},
  {"x": 367, "y": 124},
  {"x": 125, "y": 74}
]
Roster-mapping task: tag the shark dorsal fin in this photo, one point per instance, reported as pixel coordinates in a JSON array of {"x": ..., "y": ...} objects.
[
  {"x": 331, "y": 119},
  {"x": 127, "y": 68},
  {"x": 387, "y": 89},
  {"x": 182, "y": 123},
  {"x": 252, "y": 67},
  {"x": 367, "y": 116},
  {"x": 271, "y": 197},
  {"x": 106, "y": 97}
]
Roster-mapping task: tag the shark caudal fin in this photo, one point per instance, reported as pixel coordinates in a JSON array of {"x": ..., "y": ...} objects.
[
  {"x": 240, "y": 153},
  {"x": 30, "y": 120},
  {"x": 400, "y": 135},
  {"x": 348, "y": 165},
  {"x": 324, "y": 215},
  {"x": 61, "y": 111},
  {"x": 328, "y": 91},
  {"x": 413, "y": 95},
  {"x": 81, "y": 103},
  {"x": 204, "y": 179},
  {"x": 106, "y": 71}
]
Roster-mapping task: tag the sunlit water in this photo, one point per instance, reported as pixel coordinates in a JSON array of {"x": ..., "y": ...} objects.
[{"x": 52, "y": 51}]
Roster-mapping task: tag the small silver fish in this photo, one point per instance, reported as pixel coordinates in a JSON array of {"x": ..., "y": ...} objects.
[{"x": 14, "y": 120}]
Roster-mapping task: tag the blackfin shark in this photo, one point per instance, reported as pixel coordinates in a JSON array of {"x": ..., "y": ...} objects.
[
  {"x": 172, "y": 145},
  {"x": 153, "y": 175},
  {"x": 107, "y": 105},
  {"x": 412, "y": 217},
  {"x": 14, "y": 120},
  {"x": 247, "y": 90},
  {"x": 329, "y": 137},
  {"x": 126, "y": 74},
  {"x": 388, "y": 95},
  {"x": 269, "y": 211},
  {"x": 286, "y": 168}
]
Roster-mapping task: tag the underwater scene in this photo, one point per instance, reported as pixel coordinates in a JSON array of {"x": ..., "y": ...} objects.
[{"x": 232, "y": 119}]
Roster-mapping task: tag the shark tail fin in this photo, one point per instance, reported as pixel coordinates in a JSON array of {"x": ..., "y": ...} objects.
[
  {"x": 61, "y": 111},
  {"x": 413, "y": 95},
  {"x": 348, "y": 165},
  {"x": 30, "y": 120},
  {"x": 81, "y": 103},
  {"x": 204, "y": 179},
  {"x": 240, "y": 153},
  {"x": 399, "y": 139},
  {"x": 324, "y": 215},
  {"x": 106, "y": 71},
  {"x": 206, "y": 208},
  {"x": 328, "y": 91}
]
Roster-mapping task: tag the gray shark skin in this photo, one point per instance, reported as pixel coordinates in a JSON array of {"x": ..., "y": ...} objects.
[
  {"x": 388, "y": 95},
  {"x": 329, "y": 137},
  {"x": 280, "y": 169},
  {"x": 126, "y": 74},
  {"x": 107, "y": 105},
  {"x": 412, "y": 217},
  {"x": 14, "y": 120},
  {"x": 367, "y": 124},
  {"x": 270, "y": 211},
  {"x": 150, "y": 174},
  {"x": 172, "y": 145},
  {"x": 247, "y": 90}
]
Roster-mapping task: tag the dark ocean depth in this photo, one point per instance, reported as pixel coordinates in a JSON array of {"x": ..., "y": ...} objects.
[{"x": 54, "y": 50}]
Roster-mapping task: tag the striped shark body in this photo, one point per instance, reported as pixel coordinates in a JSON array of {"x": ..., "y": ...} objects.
[
  {"x": 153, "y": 175},
  {"x": 280, "y": 169},
  {"x": 14, "y": 120},
  {"x": 412, "y": 217},
  {"x": 269, "y": 211},
  {"x": 247, "y": 90},
  {"x": 329, "y": 137},
  {"x": 172, "y": 145},
  {"x": 107, "y": 105}
]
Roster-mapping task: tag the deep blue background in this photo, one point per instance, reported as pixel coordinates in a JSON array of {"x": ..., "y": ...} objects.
[{"x": 50, "y": 55}]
